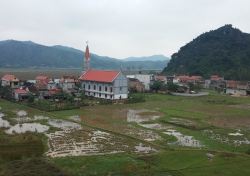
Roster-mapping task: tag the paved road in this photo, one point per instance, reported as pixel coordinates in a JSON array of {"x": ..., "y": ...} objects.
[{"x": 192, "y": 95}]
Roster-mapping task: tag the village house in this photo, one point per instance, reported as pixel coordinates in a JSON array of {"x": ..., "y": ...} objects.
[
  {"x": 68, "y": 83},
  {"x": 187, "y": 79},
  {"x": 136, "y": 84},
  {"x": 147, "y": 80},
  {"x": 20, "y": 94},
  {"x": 215, "y": 82},
  {"x": 10, "y": 80},
  {"x": 44, "y": 79},
  {"x": 237, "y": 87},
  {"x": 162, "y": 79}
]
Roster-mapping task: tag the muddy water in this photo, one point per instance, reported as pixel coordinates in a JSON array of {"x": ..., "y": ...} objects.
[
  {"x": 183, "y": 140},
  {"x": 132, "y": 116},
  {"x": 75, "y": 140},
  {"x": 155, "y": 126},
  {"x": 3, "y": 123},
  {"x": 22, "y": 128},
  {"x": 75, "y": 118},
  {"x": 22, "y": 113},
  {"x": 63, "y": 124}
]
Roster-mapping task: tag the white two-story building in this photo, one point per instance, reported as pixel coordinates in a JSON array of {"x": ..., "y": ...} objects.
[{"x": 105, "y": 84}]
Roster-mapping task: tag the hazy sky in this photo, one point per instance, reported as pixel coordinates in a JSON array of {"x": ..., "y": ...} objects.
[{"x": 119, "y": 28}]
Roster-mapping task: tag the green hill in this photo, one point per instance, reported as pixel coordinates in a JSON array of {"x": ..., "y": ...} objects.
[
  {"x": 27, "y": 54},
  {"x": 224, "y": 51}
]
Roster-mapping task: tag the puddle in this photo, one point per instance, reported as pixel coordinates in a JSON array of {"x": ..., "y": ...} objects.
[
  {"x": 63, "y": 124},
  {"x": 132, "y": 115},
  {"x": 22, "y": 119},
  {"x": 3, "y": 123},
  {"x": 148, "y": 149},
  {"x": 155, "y": 126},
  {"x": 22, "y": 128},
  {"x": 22, "y": 113},
  {"x": 183, "y": 140},
  {"x": 75, "y": 118},
  {"x": 27, "y": 119},
  {"x": 210, "y": 155},
  {"x": 235, "y": 134},
  {"x": 37, "y": 117},
  {"x": 225, "y": 139},
  {"x": 141, "y": 133}
]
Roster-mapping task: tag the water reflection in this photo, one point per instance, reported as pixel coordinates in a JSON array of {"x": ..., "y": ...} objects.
[
  {"x": 183, "y": 140},
  {"x": 3, "y": 123},
  {"x": 22, "y": 128}
]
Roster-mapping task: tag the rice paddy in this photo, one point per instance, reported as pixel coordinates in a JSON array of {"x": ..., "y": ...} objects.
[{"x": 166, "y": 135}]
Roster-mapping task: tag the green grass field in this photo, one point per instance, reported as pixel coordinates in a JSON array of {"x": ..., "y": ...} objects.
[{"x": 208, "y": 119}]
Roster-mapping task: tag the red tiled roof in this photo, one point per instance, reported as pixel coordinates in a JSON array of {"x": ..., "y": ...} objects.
[
  {"x": 40, "y": 86},
  {"x": 72, "y": 90},
  {"x": 7, "y": 77},
  {"x": 160, "y": 77},
  {"x": 52, "y": 91},
  {"x": 100, "y": 75},
  {"x": 187, "y": 77},
  {"x": 214, "y": 76},
  {"x": 20, "y": 91},
  {"x": 69, "y": 80},
  {"x": 41, "y": 77}
]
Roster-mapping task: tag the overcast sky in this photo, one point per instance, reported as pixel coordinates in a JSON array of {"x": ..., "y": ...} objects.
[{"x": 119, "y": 28}]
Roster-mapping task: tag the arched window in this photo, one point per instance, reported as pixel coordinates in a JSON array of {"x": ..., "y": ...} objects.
[
  {"x": 106, "y": 89},
  {"x": 94, "y": 87},
  {"x": 111, "y": 89},
  {"x": 89, "y": 86},
  {"x": 100, "y": 88}
]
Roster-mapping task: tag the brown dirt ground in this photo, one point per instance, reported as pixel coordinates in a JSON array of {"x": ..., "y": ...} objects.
[{"x": 230, "y": 122}]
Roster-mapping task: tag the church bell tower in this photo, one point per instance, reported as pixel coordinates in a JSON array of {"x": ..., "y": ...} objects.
[{"x": 86, "y": 62}]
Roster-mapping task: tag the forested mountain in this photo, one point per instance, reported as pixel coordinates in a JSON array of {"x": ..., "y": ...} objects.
[
  {"x": 224, "y": 51},
  {"x": 27, "y": 54}
]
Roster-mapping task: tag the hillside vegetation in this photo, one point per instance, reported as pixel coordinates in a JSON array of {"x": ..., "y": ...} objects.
[
  {"x": 224, "y": 51},
  {"x": 27, "y": 54}
]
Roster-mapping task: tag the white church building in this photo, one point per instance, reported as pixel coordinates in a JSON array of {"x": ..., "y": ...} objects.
[{"x": 105, "y": 84}]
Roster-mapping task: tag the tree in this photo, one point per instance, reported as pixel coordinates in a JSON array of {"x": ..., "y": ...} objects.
[
  {"x": 156, "y": 86},
  {"x": 31, "y": 99},
  {"x": 172, "y": 87},
  {"x": 197, "y": 87}
]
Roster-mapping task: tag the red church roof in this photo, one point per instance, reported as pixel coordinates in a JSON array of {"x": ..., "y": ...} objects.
[
  {"x": 87, "y": 53},
  {"x": 100, "y": 76}
]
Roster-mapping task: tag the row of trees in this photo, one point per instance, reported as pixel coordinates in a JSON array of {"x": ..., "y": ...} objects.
[{"x": 158, "y": 85}]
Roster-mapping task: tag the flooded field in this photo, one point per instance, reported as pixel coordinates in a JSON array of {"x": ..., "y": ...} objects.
[
  {"x": 183, "y": 140},
  {"x": 237, "y": 139},
  {"x": 25, "y": 127},
  {"x": 75, "y": 140}
]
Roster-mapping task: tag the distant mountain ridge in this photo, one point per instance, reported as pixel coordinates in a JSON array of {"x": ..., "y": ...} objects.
[
  {"x": 224, "y": 51},
  {"x": 147, "y": 58},
  {"x": 26, "y": 54}
]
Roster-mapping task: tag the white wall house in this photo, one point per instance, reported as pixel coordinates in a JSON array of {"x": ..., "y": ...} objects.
[
  {"x": 10, "y": 80},
  {"x": 105, "y": 84},
  {"x": 147, "y": 80}
]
